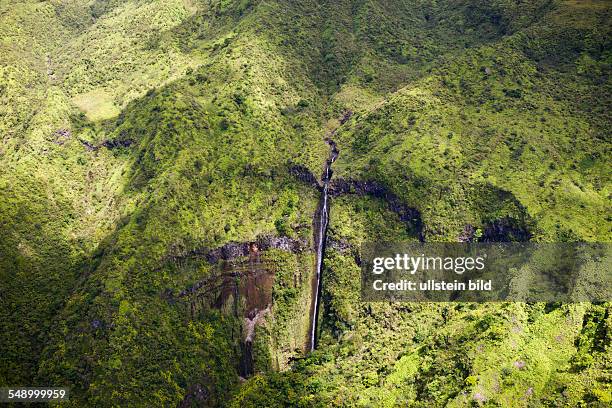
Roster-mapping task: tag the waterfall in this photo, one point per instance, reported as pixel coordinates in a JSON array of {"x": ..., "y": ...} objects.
[{"x": 320, "y": 236}]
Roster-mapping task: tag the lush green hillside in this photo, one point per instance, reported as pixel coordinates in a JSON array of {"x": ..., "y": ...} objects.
[
  {"x": 501, "y": 117},
  {"x": 151, "y": 148}
]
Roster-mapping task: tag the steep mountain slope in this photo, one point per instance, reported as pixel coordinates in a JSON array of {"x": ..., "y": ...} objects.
[
  {"x": 157, "y": 155},
  {"x": 524, "y": 115},
  {"x": 511, "y": 135},
  {"x": 218, "y": 173}
]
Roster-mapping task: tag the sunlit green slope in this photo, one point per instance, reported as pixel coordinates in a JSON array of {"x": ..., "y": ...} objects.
[{"x": 139, "y": 133}]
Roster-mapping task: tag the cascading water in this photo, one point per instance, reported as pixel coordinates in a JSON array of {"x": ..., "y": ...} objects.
[{"x": 320, "y": 236}]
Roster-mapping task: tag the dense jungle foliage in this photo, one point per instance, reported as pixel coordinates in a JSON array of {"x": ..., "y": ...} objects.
[{"x": 139, "y": 135}]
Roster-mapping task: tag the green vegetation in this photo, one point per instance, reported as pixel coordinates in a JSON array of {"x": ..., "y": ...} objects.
[{"x": 139, "y": 135}]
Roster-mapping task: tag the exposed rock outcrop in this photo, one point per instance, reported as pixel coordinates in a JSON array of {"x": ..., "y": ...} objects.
[
  {"x": 505, "y": 230},
  {"x": 233, "y": 250},
  {"x": 250, "y": 322},
  {"x": 499, "y": 230},
  {"x": 61, "y": 136},
  {"x": 109, "y": 144},
  {"x": 303, "y": 174},
  {"x": 114, "y": 143}
]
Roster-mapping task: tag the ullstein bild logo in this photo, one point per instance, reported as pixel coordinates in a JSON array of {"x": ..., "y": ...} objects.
[{"x": 485, "y": 272}]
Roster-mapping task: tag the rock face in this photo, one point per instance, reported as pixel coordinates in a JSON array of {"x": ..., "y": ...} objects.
[
  {"x": 236, "y": 250},
  {"x": 500, "y": 230},
  {"x": 250, "y": 322},
  {"x": 346, "y": 116},
  {"x": 505, "y": 230},
  {"x": 283, "y": 243},
  {"x": 114, "y": 143},
  {"x": 468, "y": 234},
  {"x": 109, "y": 144},
  {"x": 339, "y": 245},
  {"x": 228, "y": 251},
  {"x": 240, "y": 284},
  {"x": 233, "y": 250},
  {"x": 303, "y": 174},
  {"x": 61, "y": 136},
  {"x": 342, "y": 186}
]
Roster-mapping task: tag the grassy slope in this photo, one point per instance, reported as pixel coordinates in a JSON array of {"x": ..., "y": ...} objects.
[
  {"x": 42, "y": 194},
  {"x": 523, "y": 113},
  {"x": 239, "y": 91},
  {"x": 58, "y": 200},
  {"x": 208, "y": 165},
  {"x": 529, "y": 123}
]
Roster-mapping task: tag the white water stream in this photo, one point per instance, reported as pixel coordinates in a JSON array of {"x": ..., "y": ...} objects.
[{"x": 322, "y": 232}]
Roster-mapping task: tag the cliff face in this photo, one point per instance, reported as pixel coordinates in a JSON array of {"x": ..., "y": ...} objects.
[
  {"x": 157, "y": 196},
  {"x": 266, "y": 287}
]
